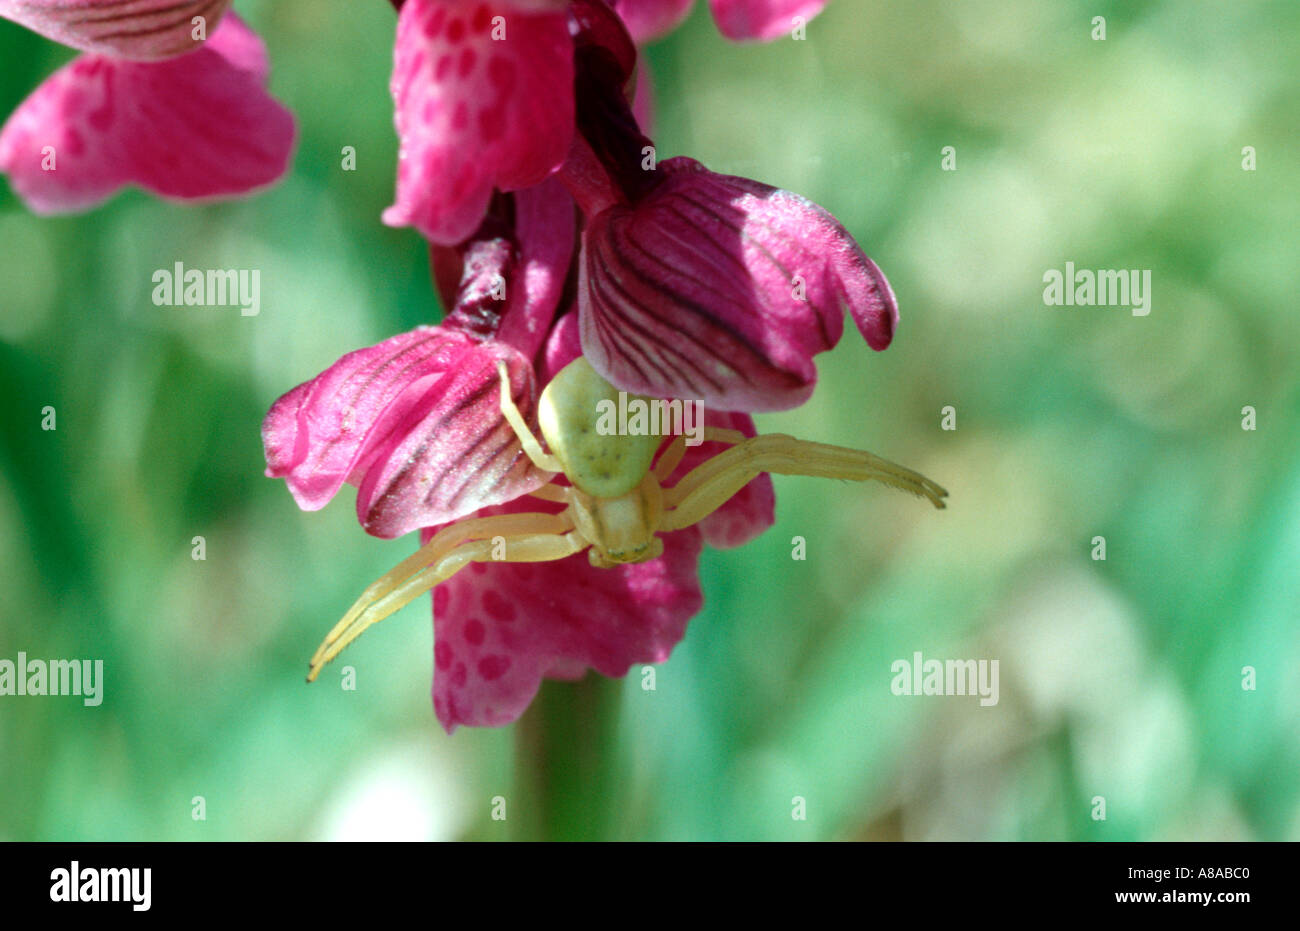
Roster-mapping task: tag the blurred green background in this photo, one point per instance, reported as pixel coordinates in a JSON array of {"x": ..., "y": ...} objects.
[{"x": 1119, "y": 678}]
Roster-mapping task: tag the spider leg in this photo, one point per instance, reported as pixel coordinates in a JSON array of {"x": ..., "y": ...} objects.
[
  {"x": 672, "y": 456},
  {"x": 706, "y": 488},
  {"x": 532, "y": 447},
  {"x": 557, "y": 493},
  {"x": 723, "y": 435},
  {"x": 670, "y": 459},
  {"x": 525, "y": 534}
]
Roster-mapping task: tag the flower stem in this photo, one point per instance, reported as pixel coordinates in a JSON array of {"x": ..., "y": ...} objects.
[{"x": 566, "y": 762}]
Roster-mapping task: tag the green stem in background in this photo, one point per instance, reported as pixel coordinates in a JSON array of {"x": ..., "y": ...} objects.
[{"x": 567, "y": 767}]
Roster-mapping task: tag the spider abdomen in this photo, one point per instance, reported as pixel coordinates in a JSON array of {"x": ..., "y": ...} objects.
[{"x": 604, "y": 464}]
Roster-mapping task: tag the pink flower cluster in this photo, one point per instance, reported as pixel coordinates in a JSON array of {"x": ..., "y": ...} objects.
[
  {"x": 524, "y": 164},
  {"x": 553, "y": 232}
]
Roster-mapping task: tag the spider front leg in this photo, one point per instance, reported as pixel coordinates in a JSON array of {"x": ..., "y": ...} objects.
[
  {"x": 671, "y": 457},
  {"x": 706, "y": 488},
  {"x": 532, "y": 537},
  {"x": 532, "y": 446}
]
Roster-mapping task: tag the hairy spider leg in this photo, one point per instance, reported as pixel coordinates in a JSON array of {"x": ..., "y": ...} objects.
[
  {"x": 707, "y": 487},
  {"x": 532, "y": 446},
  {"x": 557, "y": 493},
  {"x": 525, "y": 534},
  {"x": 671, "y": 457}
]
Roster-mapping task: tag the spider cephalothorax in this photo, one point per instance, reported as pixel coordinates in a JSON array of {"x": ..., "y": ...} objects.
[{"x": 615, "y": 503}]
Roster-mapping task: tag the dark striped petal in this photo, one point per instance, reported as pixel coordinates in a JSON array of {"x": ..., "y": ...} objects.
[
  {"x": 722, "y": 289},
  {"x": 415, "y": 422},
  {"x": 144, "y": 30}
]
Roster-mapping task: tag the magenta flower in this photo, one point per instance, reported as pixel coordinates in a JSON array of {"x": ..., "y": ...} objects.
[
  {"x": 737, "y": 19},
  {"x": 415, "y": 422},
  {"x": 483, "y": 92},
  {"x": 678, "y": 284},
  {"x": 148, "y": 104},
  {"x": 723, "y": 289},
  {"x": 500, "y": 628},
  {"x": 699, "y": 285},
  {"x": 143, "y": 30}
]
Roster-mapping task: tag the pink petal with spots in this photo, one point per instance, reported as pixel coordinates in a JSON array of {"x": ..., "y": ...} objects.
[
  {"x": 722, "y": 289},
  {"x": 762, "y": 19},
  {"x": 474, "y": 113},
  {"x": 649, "y": 19},
  {"x": 144, "y": 30},
  {"x": 500, "y": 628},
  {"x": 415, "y": 422},
  {"x": 195, "y": 127}
]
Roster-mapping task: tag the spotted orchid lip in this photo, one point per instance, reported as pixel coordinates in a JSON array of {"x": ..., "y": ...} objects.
[
  {"x": 142, "y": 30},
  {"x": 212, "y": 129},
  {"x": 473, "y": 113},
  {"x": 722, "y": 288},
  {"x": 501, "y": 627}
]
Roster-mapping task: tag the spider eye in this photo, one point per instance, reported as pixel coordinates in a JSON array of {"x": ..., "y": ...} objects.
[{"x": 641, "y": 552}]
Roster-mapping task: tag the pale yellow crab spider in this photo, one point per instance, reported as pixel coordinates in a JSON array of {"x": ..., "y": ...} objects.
[{"x": 616, "y": 505}]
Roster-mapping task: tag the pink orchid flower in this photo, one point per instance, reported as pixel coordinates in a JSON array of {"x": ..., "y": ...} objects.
[
  {"x": 739, "y": 20},
  {"x": 677, "y": 283},
  {"x": 699, "y": 285},
  {"x": 150, "y": 103},
  {"x": 415, "y": 421},
  {"x": 664, "y": 310},
  {"x": 483, "y": 93},
  {"x": 500, "y": 628}
]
